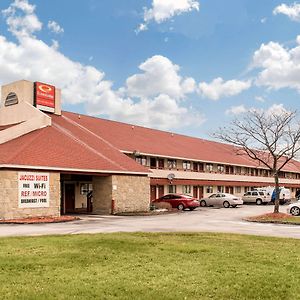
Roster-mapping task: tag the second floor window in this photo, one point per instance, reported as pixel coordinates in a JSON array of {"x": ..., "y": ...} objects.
[
  {"x": 172, "y": 164},
  {"x": 209, "y": 167},
  {"x": 141, "y": 160},
  {"x": 186, "y": 165},
  {"x": 172, "y": 189},
  {"x": 221, "y": 168}
]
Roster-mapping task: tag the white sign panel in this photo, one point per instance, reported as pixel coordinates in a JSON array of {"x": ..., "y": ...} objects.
[{"x": 33, "y": 189}]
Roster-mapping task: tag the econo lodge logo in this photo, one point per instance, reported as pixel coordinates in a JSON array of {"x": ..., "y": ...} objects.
[{"x": 45, "y": 88}]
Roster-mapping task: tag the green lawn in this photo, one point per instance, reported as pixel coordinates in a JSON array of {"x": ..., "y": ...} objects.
[{"x": 150, "y": 266}]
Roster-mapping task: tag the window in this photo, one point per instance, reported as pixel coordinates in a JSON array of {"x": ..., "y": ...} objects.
[
  {"x": 238, "y": 189},
  {"x": 209, "y": 167},
  {"x": 85, "y": 188},
  {"x": 238, "y": 170},
  {"x": 186, "y": 165},
  {"x": 141, "y": 160},
  {"x": 209, "y": 189},
  {"x": 220, "y": 168},
  {"x": 172, "y": 189},
  {"x": 254, "y": 193},
  {"x": 186, "y": 189},
  {"x": 220, "y": 189},
  {"x": 172, "y": 164}
]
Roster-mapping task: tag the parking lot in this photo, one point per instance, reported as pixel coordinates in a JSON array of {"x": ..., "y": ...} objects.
[{"x": 205, "y": 219}]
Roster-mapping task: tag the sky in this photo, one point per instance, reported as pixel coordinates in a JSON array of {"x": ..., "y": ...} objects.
[{"x": 186, "y": 66}]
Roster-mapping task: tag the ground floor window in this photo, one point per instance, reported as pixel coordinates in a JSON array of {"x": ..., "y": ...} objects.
[
  {"x": 209, "y": 189},
  {"x": 186, "y": 189},
  {"x": 221, "y": 189},
  {"x": 238, "y": 189},
  {"x": 172, "y": 189},
  {"x": 85, "y": 188}
]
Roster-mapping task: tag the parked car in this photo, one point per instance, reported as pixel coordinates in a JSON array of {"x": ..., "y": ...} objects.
[
  {"x": 294, "y": 208},
  {"x": 179, "y": 201},
  {"x": 258, "y": 197},
  {"x": 221, "y": 199}
]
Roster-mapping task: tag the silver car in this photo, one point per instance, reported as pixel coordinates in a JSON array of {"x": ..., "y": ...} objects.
[
  {"x": 221, "y": 199},
  {"x": 294, "y": 208}
]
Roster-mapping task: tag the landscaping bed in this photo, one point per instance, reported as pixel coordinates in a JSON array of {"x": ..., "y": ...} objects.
[
  {"x": 39, "y": 220},
  {"x": 275, "y": 218}
]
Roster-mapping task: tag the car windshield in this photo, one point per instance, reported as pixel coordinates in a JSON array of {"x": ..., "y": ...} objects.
[
  {"x": 212, "y": 196},
  {"x": 188, "y": 197}
]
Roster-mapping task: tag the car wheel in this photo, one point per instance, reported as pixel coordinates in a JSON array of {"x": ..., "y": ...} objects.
[
  {"x": 180, "y": 207},
  {"x": 202, "y": 203},
  {"x": 295, "y": 211},
  {"x": 226, "y": 204},
  {"x": 258, "y": 202}
]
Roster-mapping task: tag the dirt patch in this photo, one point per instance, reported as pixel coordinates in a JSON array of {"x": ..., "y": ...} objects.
[
  {"x": 277, "y": 218},
  {"x": 39, "y": 220}
]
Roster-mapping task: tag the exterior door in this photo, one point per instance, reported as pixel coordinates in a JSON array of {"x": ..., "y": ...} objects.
[
  {"x": 153, "y": 192},
  {"x": 69, "y": 198},
  {"x": 160, "y": 191},
  {"x": 229, "y": 189},
  {"x": 161, "y": 164},
  {"x": 200, "y": 192},
  {"x": 195, "y": 192}
]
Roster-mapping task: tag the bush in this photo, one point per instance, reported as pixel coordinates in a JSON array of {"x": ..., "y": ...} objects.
[{"x": 162, "y": 205}]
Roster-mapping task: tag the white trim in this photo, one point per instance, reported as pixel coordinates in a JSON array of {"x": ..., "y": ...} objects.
[{"x": 70, "y": 169}]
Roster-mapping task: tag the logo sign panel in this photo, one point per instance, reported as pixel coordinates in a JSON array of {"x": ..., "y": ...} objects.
[
  {"x": 44, "y": 96},
  {"x": 33, "y": 189}
]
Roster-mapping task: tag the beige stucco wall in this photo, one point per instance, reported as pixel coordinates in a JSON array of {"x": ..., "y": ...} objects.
[
  {"x": 130, "y": 194},
  {"x": 9, "y": 198}
]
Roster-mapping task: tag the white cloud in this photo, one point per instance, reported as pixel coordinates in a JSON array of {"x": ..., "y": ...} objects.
[
  {"x": 163, "y": 10},
  {"x": 159, "y": 106},
  {"x": 260, "y": 99},
  {"x": 160, "y": 76},
  {"x": 236, "y": 110},
  {"x": 280, "y": 66},
  {"x": 55, "y": 27},
  {"x": 292, "y": 11},
  {"x": 219, "y": 88},
  {"x": 276, "y": 109},
  {"x": 263, "y": 20},
  {"x": 21, "y": 20}
]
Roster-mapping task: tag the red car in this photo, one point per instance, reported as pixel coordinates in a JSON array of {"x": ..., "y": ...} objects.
[{"x": 179, "y": 201}]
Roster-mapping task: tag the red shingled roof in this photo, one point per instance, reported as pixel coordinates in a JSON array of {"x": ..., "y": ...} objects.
[
  {"x": 66, "y": 146},
  {"x": 127, "y": 137},
  {"x": 86, "y": 143}
]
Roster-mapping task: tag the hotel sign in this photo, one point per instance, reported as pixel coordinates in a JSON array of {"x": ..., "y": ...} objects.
[
  {"x": 33, "y": 189},
  {"x": 44, "y": 96}
]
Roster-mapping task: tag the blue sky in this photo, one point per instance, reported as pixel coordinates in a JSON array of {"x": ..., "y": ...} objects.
[{"x": 192, "y": 67}]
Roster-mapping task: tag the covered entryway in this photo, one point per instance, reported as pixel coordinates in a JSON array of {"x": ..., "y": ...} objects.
[{"x": 76, "y": 194}]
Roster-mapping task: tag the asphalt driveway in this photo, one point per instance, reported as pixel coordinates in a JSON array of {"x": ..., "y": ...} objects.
[{"x": 201, "y": 220}]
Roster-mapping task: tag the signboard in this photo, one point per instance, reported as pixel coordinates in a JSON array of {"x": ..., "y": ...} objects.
[
  {"x": 33, "y": 189},
  {"x": 44, "y": 96}
]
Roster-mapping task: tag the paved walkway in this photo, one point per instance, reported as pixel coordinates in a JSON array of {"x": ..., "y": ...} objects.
[{"x": 201, "y": 220}]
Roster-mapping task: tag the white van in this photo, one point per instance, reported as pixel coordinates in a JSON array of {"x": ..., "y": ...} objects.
[{"x": 257, "y": 196}]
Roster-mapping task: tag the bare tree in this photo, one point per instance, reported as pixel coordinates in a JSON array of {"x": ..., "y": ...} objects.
[{"x": 272, "y": 139}]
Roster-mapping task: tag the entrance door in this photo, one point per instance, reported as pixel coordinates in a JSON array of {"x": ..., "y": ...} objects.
[
  {"x": 195, "y": 192},
  {"x": 160, "y": 191},
  {"x": 200, "y": 192},
  {"x": 69, "y": 198},
  {"x": 153, "y": 163},
  {"x": 153, "y": 192}
]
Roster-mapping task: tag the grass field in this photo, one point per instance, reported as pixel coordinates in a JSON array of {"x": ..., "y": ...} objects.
[{"x": 149, "y": 266}]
